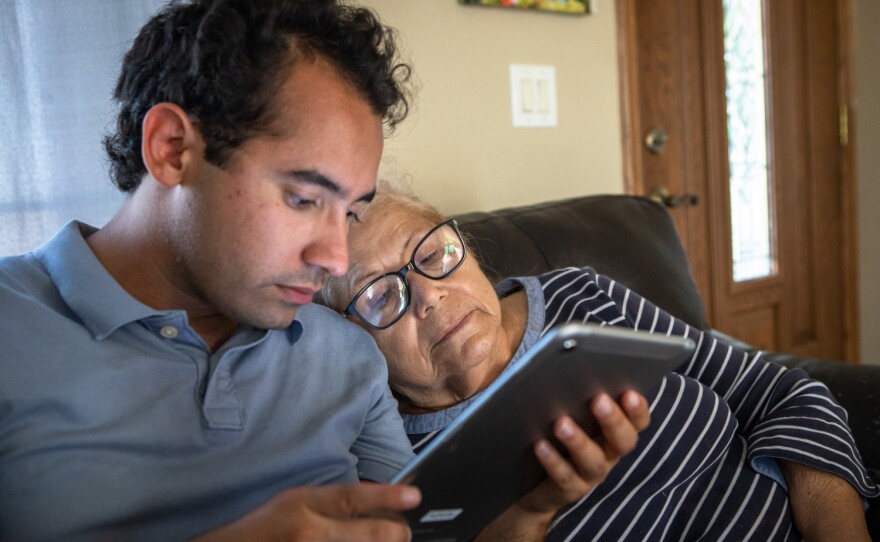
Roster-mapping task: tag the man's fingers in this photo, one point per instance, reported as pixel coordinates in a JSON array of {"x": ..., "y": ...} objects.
[
  {"x": 363, "y": 511},
  {"x": 348, "y": 501},
  {"x": 367, "y": 529}
]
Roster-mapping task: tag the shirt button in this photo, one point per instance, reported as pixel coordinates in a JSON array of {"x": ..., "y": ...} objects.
[{"x": 169, "y": 332}]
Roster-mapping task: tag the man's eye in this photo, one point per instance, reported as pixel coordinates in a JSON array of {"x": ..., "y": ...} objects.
[
  {"x": 296, "y": 201},
  {"x": 353, "y": 216}
]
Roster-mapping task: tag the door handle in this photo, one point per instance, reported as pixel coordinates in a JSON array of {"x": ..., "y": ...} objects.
[{"x": 662, "y": 195}]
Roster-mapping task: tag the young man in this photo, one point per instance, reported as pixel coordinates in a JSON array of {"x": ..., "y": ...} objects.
[
  {"x": 166, "y": 376},
  {"x": 155, "y": 383}
]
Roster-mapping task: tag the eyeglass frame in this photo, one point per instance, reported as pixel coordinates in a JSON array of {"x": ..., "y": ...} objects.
[{"x": 351, "y": 310}]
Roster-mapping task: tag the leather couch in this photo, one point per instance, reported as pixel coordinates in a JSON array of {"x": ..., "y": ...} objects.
[{"x": 633, "y": 240}]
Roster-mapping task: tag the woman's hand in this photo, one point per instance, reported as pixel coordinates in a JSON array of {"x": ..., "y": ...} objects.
[
  {"x": 588, "y": 464},
  {"x": 589, "y": 460}
]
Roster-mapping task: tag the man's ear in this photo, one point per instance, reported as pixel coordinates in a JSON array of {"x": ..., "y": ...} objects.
[{"x": 169, "y": 144}]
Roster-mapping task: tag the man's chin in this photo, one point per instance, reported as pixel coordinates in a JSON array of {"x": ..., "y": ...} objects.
[{"x": 281, "y": 320}]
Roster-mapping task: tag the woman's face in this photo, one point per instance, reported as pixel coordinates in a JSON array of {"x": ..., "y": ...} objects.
[{"x": 451, "y": 332}]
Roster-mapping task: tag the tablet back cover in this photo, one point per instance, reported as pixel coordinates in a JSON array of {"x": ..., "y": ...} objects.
[{"x": 483, "y": 462}]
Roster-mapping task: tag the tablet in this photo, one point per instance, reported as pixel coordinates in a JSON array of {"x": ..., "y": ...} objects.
[{"x": 483, "y": 461}]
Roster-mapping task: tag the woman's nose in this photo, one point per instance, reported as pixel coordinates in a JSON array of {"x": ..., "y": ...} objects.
[{"x": 425, "y": 294}]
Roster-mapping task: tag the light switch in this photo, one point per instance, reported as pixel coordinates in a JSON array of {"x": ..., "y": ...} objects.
[
  {"x": 543, "y": 95},
  {"x": 533, "y": 95},
  {"x": 527, "y": 88}
]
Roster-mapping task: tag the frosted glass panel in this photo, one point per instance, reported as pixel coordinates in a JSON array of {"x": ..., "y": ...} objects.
[{"x": 751, "y": 225}]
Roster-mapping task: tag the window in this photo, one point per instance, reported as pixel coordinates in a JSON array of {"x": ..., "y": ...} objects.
[
  {"x": 61, "y": 60},
  {"x": 751, "y": 221}
]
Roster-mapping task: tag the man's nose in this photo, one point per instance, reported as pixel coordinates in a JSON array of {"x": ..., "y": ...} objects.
[{"x": 329, "y": 247}]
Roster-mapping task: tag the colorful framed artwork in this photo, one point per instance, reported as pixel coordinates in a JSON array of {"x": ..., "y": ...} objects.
[{"x": 572, "y": 7}]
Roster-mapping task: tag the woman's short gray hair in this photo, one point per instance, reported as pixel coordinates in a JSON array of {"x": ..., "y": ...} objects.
[{"x": 388, "y": 195}]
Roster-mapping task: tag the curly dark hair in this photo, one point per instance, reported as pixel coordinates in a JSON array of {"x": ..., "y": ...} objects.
[{"x": 223, "y": 61}]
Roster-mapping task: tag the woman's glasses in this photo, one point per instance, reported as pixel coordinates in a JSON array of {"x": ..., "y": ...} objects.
[{"x": 384, "y": 300}]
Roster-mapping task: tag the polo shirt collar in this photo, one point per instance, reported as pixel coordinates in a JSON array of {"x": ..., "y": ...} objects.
[
  {"x": 90, "y": 290},
  {"x": 86, "y": 286}
]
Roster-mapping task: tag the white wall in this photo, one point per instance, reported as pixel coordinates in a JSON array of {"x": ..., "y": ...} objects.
[{"x": 458, "y": 146}]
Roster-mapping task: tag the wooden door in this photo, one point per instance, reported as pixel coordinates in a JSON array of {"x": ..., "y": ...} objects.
[{"x": 675, "y": 128}]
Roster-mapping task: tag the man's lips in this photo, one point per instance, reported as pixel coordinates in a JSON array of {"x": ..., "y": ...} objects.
[{"x": 297, "y": 295}]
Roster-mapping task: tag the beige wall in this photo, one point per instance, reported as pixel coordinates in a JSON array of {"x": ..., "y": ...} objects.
[
  {"x": 458, "y": 146},
  {"x": 867, "y": 42},
  {"x": 461, "y": 153}
]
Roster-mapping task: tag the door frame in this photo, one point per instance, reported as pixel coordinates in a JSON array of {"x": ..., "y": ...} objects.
[{"x": 712, "y": 166}]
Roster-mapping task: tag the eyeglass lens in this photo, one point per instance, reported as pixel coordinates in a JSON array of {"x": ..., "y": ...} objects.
[
  {"x": 436, "y": 256},
  {"x": 438, "y": 253}
]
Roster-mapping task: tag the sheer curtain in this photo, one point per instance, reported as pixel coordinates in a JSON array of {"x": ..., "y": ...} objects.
[{"x": 60, "y": 60}]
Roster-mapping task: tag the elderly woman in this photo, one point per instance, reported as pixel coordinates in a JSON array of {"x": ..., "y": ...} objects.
[{"x": 738, "y": 449}]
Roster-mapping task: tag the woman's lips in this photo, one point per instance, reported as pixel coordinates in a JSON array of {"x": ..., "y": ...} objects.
[{"x": 455, "y": 328}]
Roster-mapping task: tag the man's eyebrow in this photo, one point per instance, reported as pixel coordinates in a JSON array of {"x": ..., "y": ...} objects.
[{"x": 310, "y": 176}]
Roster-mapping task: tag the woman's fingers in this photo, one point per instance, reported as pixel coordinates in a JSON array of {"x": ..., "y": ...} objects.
[
  {"x": 636, "y": 408},
  {"x": 620, "y": 429},
  {"x": 568, "y": 483},
  {"x": 586, "y": 464},
  {"x": 564, "y": 483},
  {"x": 589, "y": 460}
]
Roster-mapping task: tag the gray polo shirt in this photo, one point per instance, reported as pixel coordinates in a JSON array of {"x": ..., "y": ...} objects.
[{"x": 116, "y": 421}]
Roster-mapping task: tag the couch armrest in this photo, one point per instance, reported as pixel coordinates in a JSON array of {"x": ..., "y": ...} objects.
[{"x": 856, "y": 388}]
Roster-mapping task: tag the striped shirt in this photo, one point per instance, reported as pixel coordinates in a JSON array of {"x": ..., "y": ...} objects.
[{"x": 706, "y": 466}]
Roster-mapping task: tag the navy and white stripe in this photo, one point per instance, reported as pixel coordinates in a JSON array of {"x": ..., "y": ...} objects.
[{"x": 706, "y": 467}]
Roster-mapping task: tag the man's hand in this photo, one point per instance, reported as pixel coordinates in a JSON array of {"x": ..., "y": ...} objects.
[
  {"x": 588, "y": 464},
  {"x": 331, "y": 513}
]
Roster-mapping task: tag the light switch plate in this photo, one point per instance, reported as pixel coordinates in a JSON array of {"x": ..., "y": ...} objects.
[{"x": 533, "y": 96}]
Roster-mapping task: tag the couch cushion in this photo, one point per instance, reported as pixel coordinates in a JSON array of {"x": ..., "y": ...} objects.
[{"x": 629, "y": 238}]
